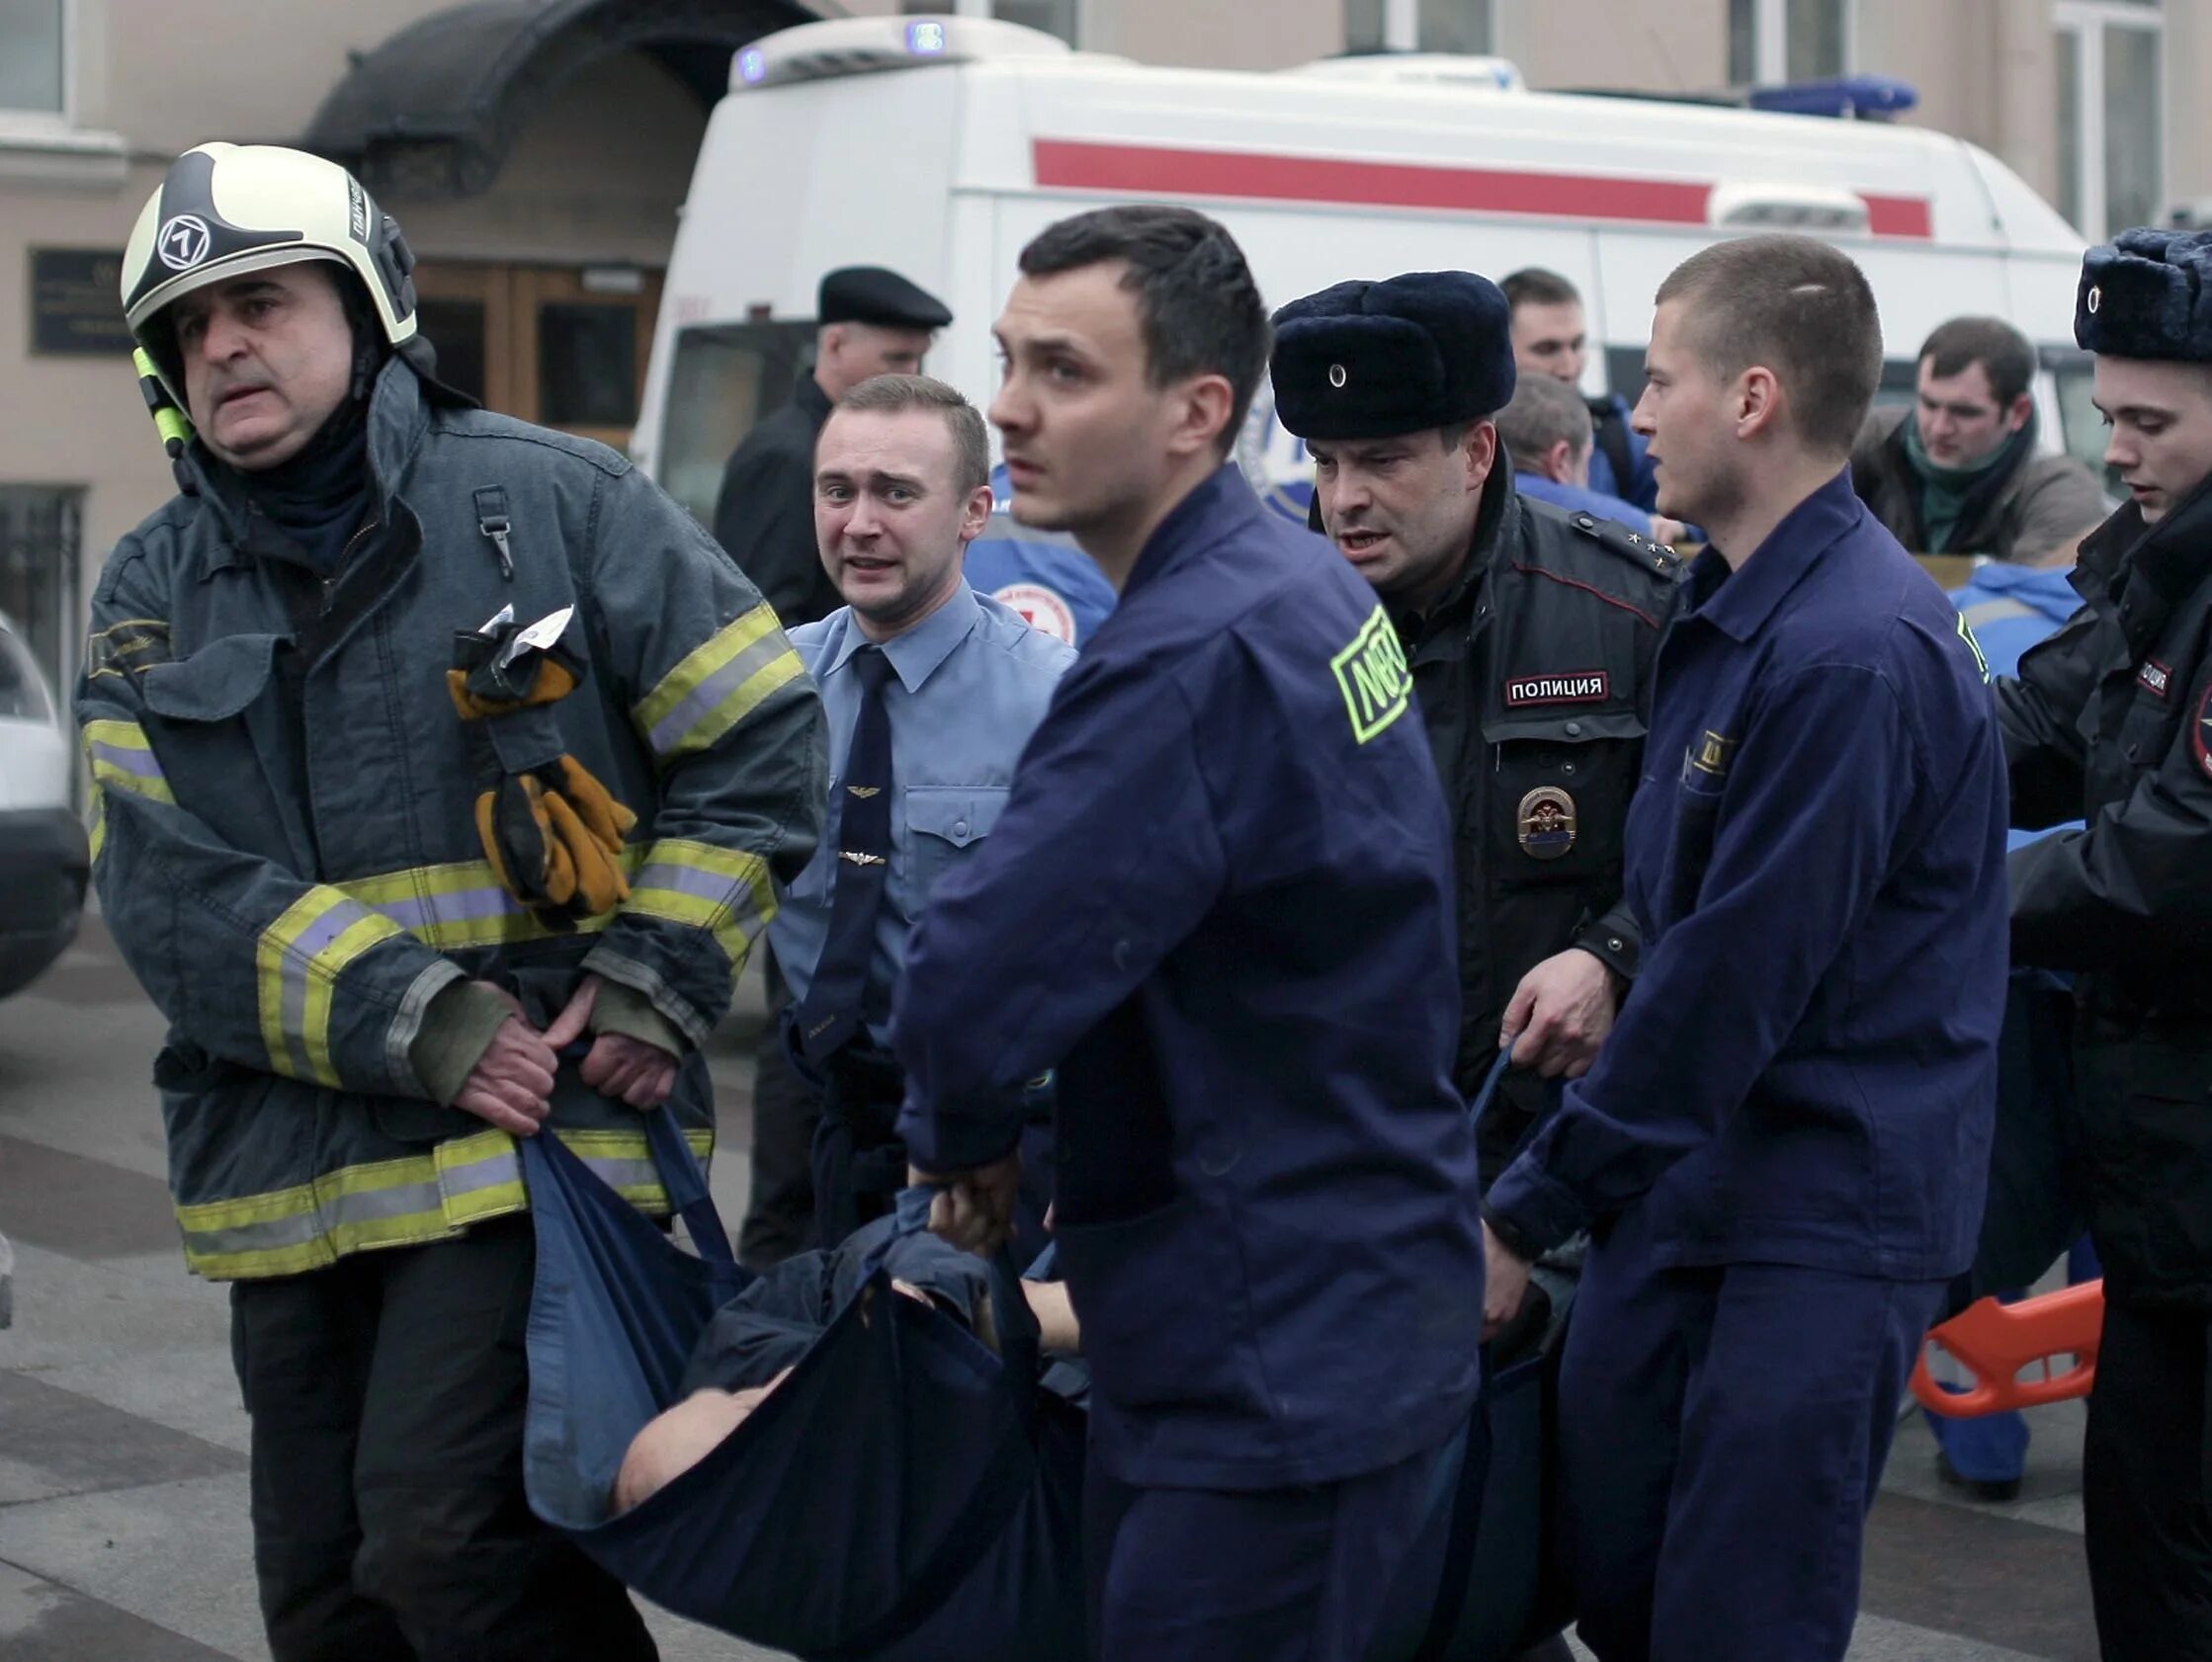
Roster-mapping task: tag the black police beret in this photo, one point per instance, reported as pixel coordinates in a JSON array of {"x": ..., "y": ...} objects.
[
  {"x": 873, "y": 294},
  {"x": 2147, "y": 293},
  {"x": 1374, "y": 359}
]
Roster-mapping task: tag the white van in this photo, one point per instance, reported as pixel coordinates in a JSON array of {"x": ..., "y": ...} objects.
[
  {"x": 43, "y": 860},
  {"x": 939, "y": 145}
]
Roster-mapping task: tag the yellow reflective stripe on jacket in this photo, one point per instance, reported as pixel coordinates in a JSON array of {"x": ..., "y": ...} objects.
[
  {"x": 464, "y": 904},
  {"x": 123, "y": 760},
  {"x": 717, "y": 685},
  {"x": 418, "y": 1197},
  {"x": 724, "y": 891},
  {"x": 298, "y": 962}
]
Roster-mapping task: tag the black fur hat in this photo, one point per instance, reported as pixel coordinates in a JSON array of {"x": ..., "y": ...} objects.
[
  {"x": 1374, "y": 359},
  {"x": 2147, "y": 293}
]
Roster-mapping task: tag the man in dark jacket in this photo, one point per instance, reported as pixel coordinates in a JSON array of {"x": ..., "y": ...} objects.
[
  {"x": 2111, "y": 722},
  {"x": 1959, "y": 473},
  {"x": 872, "y": 322},
  {"x": 1215, "y": 905},
  {"x": 1531, "y": 634}
]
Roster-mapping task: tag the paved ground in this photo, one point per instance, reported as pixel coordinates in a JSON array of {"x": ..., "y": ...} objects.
[{"x": 123, "y": 1511}]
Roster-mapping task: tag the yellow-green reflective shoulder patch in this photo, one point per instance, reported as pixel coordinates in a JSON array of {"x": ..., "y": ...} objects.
[{"x": 1373, "y": 676}]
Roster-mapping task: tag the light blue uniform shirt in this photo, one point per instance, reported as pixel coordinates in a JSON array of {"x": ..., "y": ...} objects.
[{"x": 970, "y": 683}]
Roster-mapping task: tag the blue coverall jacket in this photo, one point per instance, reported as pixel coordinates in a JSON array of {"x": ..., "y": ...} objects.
[
  {"x": 1806, "y": 1070},
  {"x": 1218, "y": 902}
]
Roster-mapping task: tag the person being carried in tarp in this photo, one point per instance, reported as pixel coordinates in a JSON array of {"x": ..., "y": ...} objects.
[{"x": 758, "y": 1337}]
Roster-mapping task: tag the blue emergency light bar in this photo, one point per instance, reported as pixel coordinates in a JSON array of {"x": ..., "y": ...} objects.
[
  {"x": 840, "y": 47},
  {"x": 1867, "y": 97}
]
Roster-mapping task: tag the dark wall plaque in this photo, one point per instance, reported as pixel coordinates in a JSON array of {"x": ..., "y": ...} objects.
[{"x": 75, "y": 310}]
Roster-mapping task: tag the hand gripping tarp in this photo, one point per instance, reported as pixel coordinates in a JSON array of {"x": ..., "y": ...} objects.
[{"x": 907, "y": 1495}]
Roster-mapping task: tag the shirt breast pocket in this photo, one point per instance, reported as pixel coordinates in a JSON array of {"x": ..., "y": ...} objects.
[
  {"x": 1561, "y": 784},
  {"x": 943, "y": 822},
  {"x": 1690, "y": 847}
]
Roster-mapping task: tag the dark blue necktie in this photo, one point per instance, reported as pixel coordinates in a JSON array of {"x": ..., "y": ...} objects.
[{"x": 835, "y": 1003}]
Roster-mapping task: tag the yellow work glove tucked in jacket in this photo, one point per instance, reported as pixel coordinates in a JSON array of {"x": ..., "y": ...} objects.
[
  {"x": 551, "y": 831},
  {"x": 555, "y": 836}
]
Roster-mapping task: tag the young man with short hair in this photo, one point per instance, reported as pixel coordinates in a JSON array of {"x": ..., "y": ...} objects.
[
  {"x": 869, "y": 321},
  {"x": 932, "y": 691},
  {"x": 1959, "y": 472},
  {"x": 1217, "y": 906},
  {"x": 1781, "y": 1150}
]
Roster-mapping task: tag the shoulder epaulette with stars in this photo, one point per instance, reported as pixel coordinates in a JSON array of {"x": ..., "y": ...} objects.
[{"x": 1638, "y": 549}]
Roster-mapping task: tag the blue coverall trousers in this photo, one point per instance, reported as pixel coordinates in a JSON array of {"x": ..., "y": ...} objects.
[
  {"x": 1277, "y": 1575},
  {"x": 1722, "y": 1435}
]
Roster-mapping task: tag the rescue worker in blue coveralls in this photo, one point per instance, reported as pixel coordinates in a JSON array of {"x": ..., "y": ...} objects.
[
  {"x": 431, "y": 748},
  {"x": 2031, "y": 1212},
  {"x": 932, "y": 691},
  {"x": 869, "y": 321},
  {"x": 1781, "y": 1151},
  {"x": 1530, "y": 635},
  {"x": 2110, "y": 720},
  {"x": 1217, "y": 903}
]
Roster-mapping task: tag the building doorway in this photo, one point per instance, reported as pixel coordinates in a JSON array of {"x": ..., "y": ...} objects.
[{"x": 562, "y": 346}]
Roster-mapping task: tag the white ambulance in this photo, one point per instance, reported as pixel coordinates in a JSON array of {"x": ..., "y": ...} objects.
[{"x": 939, "y": 145}]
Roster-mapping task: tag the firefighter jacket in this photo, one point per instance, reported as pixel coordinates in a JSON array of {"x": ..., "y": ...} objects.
[{"x": 284, "y": 837}]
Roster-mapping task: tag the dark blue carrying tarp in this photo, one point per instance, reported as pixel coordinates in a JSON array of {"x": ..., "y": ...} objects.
[
  {"x": 895, "y": 1468},
  {"x": 905, "y": 1495}
]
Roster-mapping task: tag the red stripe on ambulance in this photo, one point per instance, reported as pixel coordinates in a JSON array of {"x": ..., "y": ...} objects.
[{"x": 1078, "y": 165}]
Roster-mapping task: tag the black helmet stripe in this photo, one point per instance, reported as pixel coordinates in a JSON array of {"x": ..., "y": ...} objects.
[{"x": 192, "y": 232}]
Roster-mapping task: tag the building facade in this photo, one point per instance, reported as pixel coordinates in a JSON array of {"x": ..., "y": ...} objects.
[{"x": 536, "y": 152}]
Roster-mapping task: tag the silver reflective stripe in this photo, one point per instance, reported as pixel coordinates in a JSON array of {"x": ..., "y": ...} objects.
[
  {"x": 297, "y": 975},
  {"x": 625, "y": 1174},
  {"x": 478, "y": 1174},
  {"x": 140, "y": 762},
  {"x": 295, "y": 1230},
  {"x": 463, "y": 907},
  {"x": 704, "y": 698}
]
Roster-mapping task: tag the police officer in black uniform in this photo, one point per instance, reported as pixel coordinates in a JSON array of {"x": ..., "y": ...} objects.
[
  {"x": 1531, "y": 634},
  {"x": 874, "y": 322},
  {"x": 2111, "y": 722}
]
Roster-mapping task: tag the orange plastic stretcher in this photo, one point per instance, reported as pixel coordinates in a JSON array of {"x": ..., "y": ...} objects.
[{"x": 1998, "y": 1342}]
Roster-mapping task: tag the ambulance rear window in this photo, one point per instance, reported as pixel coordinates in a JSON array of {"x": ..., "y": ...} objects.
[
  {"x": 2080, "y": 428},
  {"x": 723, "y": 377}
]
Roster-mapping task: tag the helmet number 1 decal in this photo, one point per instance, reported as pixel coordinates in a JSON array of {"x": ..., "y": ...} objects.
[{"x": 183, "y": 241}]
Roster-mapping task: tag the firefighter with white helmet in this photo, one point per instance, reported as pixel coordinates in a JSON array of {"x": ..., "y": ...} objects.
[{"x": 444, "y": 771}]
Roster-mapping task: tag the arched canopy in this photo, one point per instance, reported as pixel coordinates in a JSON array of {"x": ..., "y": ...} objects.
[{"x": 435, "y": 108}]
